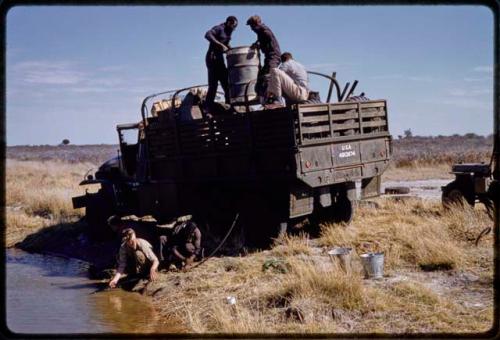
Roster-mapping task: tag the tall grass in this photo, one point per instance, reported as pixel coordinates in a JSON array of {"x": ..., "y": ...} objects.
[{"x": 39, "y": 194}]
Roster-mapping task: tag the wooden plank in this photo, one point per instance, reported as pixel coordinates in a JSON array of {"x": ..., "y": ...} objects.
[
  {"x": 315, "y": 129},
  {"x": 344, "y": 116},
  {"x": 375, "y": 123},
  {"x": 337, "y": 127},
  {"x": 194, "y": 134},
  {"x": 315, "y": 119},
  {"x": 380, "y": 103},
  {"x": 373, "y": 114},
  {"x": 306, "y": 108},
  {"x": 343, "y": 106}
]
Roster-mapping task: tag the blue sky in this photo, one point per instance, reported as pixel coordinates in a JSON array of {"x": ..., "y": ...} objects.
[{"x": 76, "y": 72}]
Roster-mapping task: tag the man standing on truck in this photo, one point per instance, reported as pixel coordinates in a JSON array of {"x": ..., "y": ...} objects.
[
  {"x": 219, "y": 37},
  {"x": 267, "y": 43},
  {"x": 290, "y": 80},
  {"x": 136, "y": 257}
]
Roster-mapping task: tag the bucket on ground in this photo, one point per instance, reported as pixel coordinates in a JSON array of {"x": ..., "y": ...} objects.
[
  {"x": 373, "y": 265},
  {"x": 243, "y": 64},
  {"x": 342, "y": 257}
]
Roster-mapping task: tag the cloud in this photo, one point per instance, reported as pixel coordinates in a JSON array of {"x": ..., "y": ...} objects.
[
  {"x": 48, "y": 73},
  {"x": 484, "y": 69},
  {"x": 112, "y": 68},
  {"x": 423, "y": 78},
  {"x": 469, "y": 103},
  {"x": 387, "y": 76},
  {"x": 329, "y": 66},
  {"x": 472, "y": 92},
  {"x": 472, "y": 79}
]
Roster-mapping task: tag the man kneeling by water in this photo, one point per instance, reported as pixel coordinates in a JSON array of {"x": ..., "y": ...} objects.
[{"x": 136, "y": 257}]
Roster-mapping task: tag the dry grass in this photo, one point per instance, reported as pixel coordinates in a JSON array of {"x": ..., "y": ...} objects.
[
  {"x": 418, "y": 172},
  {"x": 411, "y": 233},
  {"x": 311, "y": 295},
  {"x": 315, "y": 296},
  {"x": 39, "y": 194}
]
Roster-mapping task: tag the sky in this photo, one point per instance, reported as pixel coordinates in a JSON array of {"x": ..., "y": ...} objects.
[{"x": 75, "y": 72}]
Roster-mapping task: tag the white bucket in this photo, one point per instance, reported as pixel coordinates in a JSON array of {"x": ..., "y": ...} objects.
[
  {"x": 342, "y": 257},
  {"x": 373, "y": 265}
]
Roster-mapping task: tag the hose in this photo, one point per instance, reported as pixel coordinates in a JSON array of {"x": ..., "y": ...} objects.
[
  {"x": 485, "y": 231},
  {"x": 220, "y": 244}
]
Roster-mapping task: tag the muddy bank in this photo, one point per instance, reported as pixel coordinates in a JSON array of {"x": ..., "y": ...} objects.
[{"x": 72, "y": 240}]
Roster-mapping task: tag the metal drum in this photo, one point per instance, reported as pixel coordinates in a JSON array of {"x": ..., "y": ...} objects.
[{"x": 243, "y": 64}]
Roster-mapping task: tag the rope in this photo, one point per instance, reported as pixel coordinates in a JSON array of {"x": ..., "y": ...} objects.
[{"x": 220, "y": 244}]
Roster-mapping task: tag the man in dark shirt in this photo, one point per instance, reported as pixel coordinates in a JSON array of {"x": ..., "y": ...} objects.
[
  {"x": 219, "y": 37},
  {"x": 267, "y": 43},
  {"x": 182, "y": 246}
]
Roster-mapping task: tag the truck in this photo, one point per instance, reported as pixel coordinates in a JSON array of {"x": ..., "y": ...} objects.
[{"x": 283, "y": 169}]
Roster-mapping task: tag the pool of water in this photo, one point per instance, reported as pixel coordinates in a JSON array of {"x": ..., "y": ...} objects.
[{"x": 47, "y": 295}]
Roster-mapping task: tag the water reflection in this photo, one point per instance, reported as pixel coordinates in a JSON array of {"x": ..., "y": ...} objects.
[{"x": 52, "y": 295}]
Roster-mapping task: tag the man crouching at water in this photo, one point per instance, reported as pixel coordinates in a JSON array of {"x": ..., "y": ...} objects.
[{"x": 136, "y": 257}]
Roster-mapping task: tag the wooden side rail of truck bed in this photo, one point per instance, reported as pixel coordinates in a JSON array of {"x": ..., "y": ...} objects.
[{"x": 259, "y": 142}]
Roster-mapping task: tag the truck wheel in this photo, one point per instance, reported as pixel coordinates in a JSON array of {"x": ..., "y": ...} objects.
[
  {"x": 343, "y": 210},
  {"x": 98, "y": 210},
  {"x": 454, "y": 194}
]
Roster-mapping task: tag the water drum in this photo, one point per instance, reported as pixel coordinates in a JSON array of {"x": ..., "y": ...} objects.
[
  {"x": 243, "y": 64},
  {"x": 342, "y": 257},
  {"x": 373, "y": 265}
]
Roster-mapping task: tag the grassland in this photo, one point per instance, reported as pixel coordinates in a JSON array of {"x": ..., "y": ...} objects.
[
  {"x": 308, "y": 293},
  {"x": 304, "y": 291}
]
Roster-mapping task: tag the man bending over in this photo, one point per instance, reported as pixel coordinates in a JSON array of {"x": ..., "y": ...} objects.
[{"x": 136, "y": 257}]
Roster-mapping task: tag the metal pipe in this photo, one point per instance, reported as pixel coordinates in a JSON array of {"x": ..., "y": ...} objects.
[
  {"x": 330, "y": 88},
  {"x": 344, "y": 91},
  {"x": 333, "y": 80},
  {"x": 351, "y": 90},
  {"x": 184, "y": 89}
]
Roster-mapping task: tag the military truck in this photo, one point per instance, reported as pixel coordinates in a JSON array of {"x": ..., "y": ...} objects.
[
  {"x": 278, "y": 169},
  {"x": 275, "y": 167}
]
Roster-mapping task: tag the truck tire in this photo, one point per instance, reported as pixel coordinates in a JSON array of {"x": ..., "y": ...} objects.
[
  {"x": 454, "y": 193},
  {"x": 342, "y": 211},
  {"x": 97, "y": 212}
]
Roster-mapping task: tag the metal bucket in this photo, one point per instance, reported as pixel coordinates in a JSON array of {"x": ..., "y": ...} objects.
[
  {"x": 373, "y": 265},
  {"x": 341, "y": 256},
  {"x": 243, "y": 64}
]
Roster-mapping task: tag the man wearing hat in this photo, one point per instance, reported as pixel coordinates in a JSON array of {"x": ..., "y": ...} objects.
[
  {"x": 267, "y": 43},
  {"x": 182, "y": 245},
  {"x": 136, "y": 257},
  {"x": 219, "y": 37}
]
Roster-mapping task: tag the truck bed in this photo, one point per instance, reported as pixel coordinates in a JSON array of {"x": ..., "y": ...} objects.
[{"x": 298, "y": 142}]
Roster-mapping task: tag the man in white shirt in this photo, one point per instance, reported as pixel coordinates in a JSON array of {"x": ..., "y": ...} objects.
[
  {"x": 136, "y": 257},
  {"x": 289, "y": 80}
]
